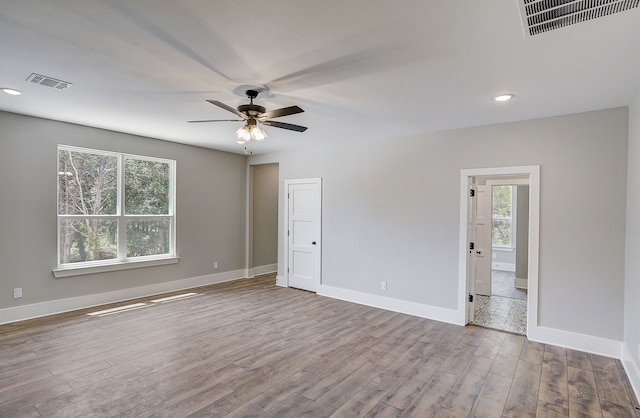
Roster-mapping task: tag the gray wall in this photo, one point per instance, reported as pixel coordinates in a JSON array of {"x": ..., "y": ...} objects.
[
  {"x": 211, "y": 202},
  {"x": 264, "y": 214},
  {"x": 391, "y": 212},
  {"x": 632, "y": 273},
  {"x": 522, "y": 237}
]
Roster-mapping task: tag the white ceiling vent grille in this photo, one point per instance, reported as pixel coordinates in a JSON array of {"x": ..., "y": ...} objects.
[
  {"x": 541, "y": 16},
  {"x": 50, "y": 81}
]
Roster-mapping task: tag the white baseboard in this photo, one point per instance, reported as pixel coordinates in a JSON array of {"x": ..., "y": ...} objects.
[
  {"x": 436, "y": 313},
  {"x": 521, "y": 283},
  {"x": 36, "y": 310},
  {"x": 503, "y": 266},
  {"x": 633, "y": 370},
  {"x": 257, "y": 271},
  {"x": 573, "y": 340},
  {"x": 567, "y": 339}
]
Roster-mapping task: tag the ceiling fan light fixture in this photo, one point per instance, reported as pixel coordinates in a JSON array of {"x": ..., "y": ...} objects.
[
  {"x": 250, "y": 132},
  {"x": 257, "y": 133},
  {"x": 252, "y": 114},
  {"x": 243, "y": 134}
]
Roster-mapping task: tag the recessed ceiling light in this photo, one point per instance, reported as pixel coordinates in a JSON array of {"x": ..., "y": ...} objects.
[
  {"x": 503, "y": 97},
  {"x": 12, "y": 92}
]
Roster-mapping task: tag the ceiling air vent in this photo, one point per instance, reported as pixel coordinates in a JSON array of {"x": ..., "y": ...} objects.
[
  {"x": 541, "y": 16},
  {"x": 50, "y": 81}
]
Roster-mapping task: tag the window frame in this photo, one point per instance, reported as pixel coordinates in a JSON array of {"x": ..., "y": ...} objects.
[
  {"x": 503, "y": 218},
  {"x": 121, "y": 261}
]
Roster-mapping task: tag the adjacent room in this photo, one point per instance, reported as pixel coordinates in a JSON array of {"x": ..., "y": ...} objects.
[{"x": 297, "y": 208}]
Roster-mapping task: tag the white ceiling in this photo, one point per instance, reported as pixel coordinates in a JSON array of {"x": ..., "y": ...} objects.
[{"x": 359, "y": 68}]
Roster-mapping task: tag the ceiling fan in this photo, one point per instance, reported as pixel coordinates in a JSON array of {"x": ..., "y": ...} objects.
[{"x": 254, "y": 114}]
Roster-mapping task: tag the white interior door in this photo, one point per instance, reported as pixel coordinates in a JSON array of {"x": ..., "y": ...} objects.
[
  {"x": 303, "y": 233},
  {"x": 483, "y": 241},
  {"x": 471, "y": 254}
]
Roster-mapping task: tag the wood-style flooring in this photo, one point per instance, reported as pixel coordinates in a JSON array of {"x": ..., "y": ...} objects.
[{"x": 248, "y": 348}]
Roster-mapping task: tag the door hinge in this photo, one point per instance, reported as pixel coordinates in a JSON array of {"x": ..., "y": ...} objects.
[
  {"x": 287, "y": 232},
  {"x": 472, "y": 192},
  {"x": 470, "y": 297},
  {"x": 472, "y": 246},
  {"x": 288, "y": 195},
  {"x": 287, "y": 269}
]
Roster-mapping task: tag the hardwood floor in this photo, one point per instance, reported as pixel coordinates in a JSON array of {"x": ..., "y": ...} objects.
[{"x": 249, "y": 348}]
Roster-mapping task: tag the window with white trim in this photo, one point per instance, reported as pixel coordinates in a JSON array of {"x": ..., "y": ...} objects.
[
  {"x": 114, "y": 208},
  {"x": 502, "y": 210}
]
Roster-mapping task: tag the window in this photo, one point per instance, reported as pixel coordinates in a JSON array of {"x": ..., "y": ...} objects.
[
  {"x": 113, "y": 208},
  {"x": 502, "y": 202}
]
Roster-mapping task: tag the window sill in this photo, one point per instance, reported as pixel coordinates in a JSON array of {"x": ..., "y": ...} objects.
[
  {"x": 103, "y": 268},
  {"x": 504, "y": 249}
]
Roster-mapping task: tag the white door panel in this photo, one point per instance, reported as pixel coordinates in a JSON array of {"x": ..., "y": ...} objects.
[
  {"x": 471, "y": 257},
  {"x": 483, "y": 241},
  {"x": 303, "y": 233}
]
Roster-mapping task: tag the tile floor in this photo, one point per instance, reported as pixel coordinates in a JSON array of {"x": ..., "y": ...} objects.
[{"x": 506, "y": 308}]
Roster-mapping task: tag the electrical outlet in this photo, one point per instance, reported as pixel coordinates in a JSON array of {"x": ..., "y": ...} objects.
[
  {"x": 383, "y": 286},
  {"x": 215, "y": 265},
  {"x": 17, "y": 293}
]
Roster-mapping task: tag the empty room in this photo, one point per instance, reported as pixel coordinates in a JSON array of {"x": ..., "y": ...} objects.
[{"x": 320, "y": 209}]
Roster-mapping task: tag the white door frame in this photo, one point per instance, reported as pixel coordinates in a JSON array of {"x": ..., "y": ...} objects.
[
  {"x": 533, "y": 172},
  {"x": 318, "y": 254}
]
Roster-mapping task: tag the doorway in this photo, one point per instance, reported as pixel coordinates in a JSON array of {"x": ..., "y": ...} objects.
[
  {"x": 502, "y": 216},
  {"x": 473, "y": 232},
  {"x": 262, "y": 239}
]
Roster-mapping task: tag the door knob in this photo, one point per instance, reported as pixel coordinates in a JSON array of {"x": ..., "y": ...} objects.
[{"x": 313, "y": 243}]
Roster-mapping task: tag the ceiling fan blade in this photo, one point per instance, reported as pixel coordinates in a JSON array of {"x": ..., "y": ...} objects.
[
  {"x": 285, "y": 111},
  {"x": 215, "y": 120},
  {"x": 283, "y": 125},
  {"x": 228, "y": 108}
]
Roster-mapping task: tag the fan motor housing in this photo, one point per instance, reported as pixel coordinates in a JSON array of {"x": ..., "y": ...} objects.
[{"x": 251, "y": 109}]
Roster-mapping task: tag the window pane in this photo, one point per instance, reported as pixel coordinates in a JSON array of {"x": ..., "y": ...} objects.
[
  {"x": 146, "y": 187},
  {"x": 87, "y": 183},
  {"x": 502, "y": 201},
  {"x": 148, "y": 237},
  {"x": 501, "y": 234},
  {"x": 87, "y": 240}
]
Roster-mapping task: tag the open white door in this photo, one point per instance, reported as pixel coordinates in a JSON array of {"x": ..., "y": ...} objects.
[
  {"x": 483, "y": 241},
  {"x": 303, "y": 211},
  {"x": 471, "y": 256}
]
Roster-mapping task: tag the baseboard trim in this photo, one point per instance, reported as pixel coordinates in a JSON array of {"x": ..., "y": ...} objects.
[
  {"x": 436, "y": 313},
  {"x": 37, "y": 310},
  {"x": 576, "y": 341},
  {"x": 257, "y": 271},
  {"x": 633, "y": 370},
  {"x": 567, "y": 339},
  {"x": 503, "y": 266},
  {"x": 521, "y": 283}
]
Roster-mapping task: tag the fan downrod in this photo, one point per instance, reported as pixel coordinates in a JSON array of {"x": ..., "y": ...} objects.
[{"x": 251, "y": 110}]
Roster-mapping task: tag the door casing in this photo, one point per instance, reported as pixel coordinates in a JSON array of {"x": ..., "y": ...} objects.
[{"x": 533, "y": 174}]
